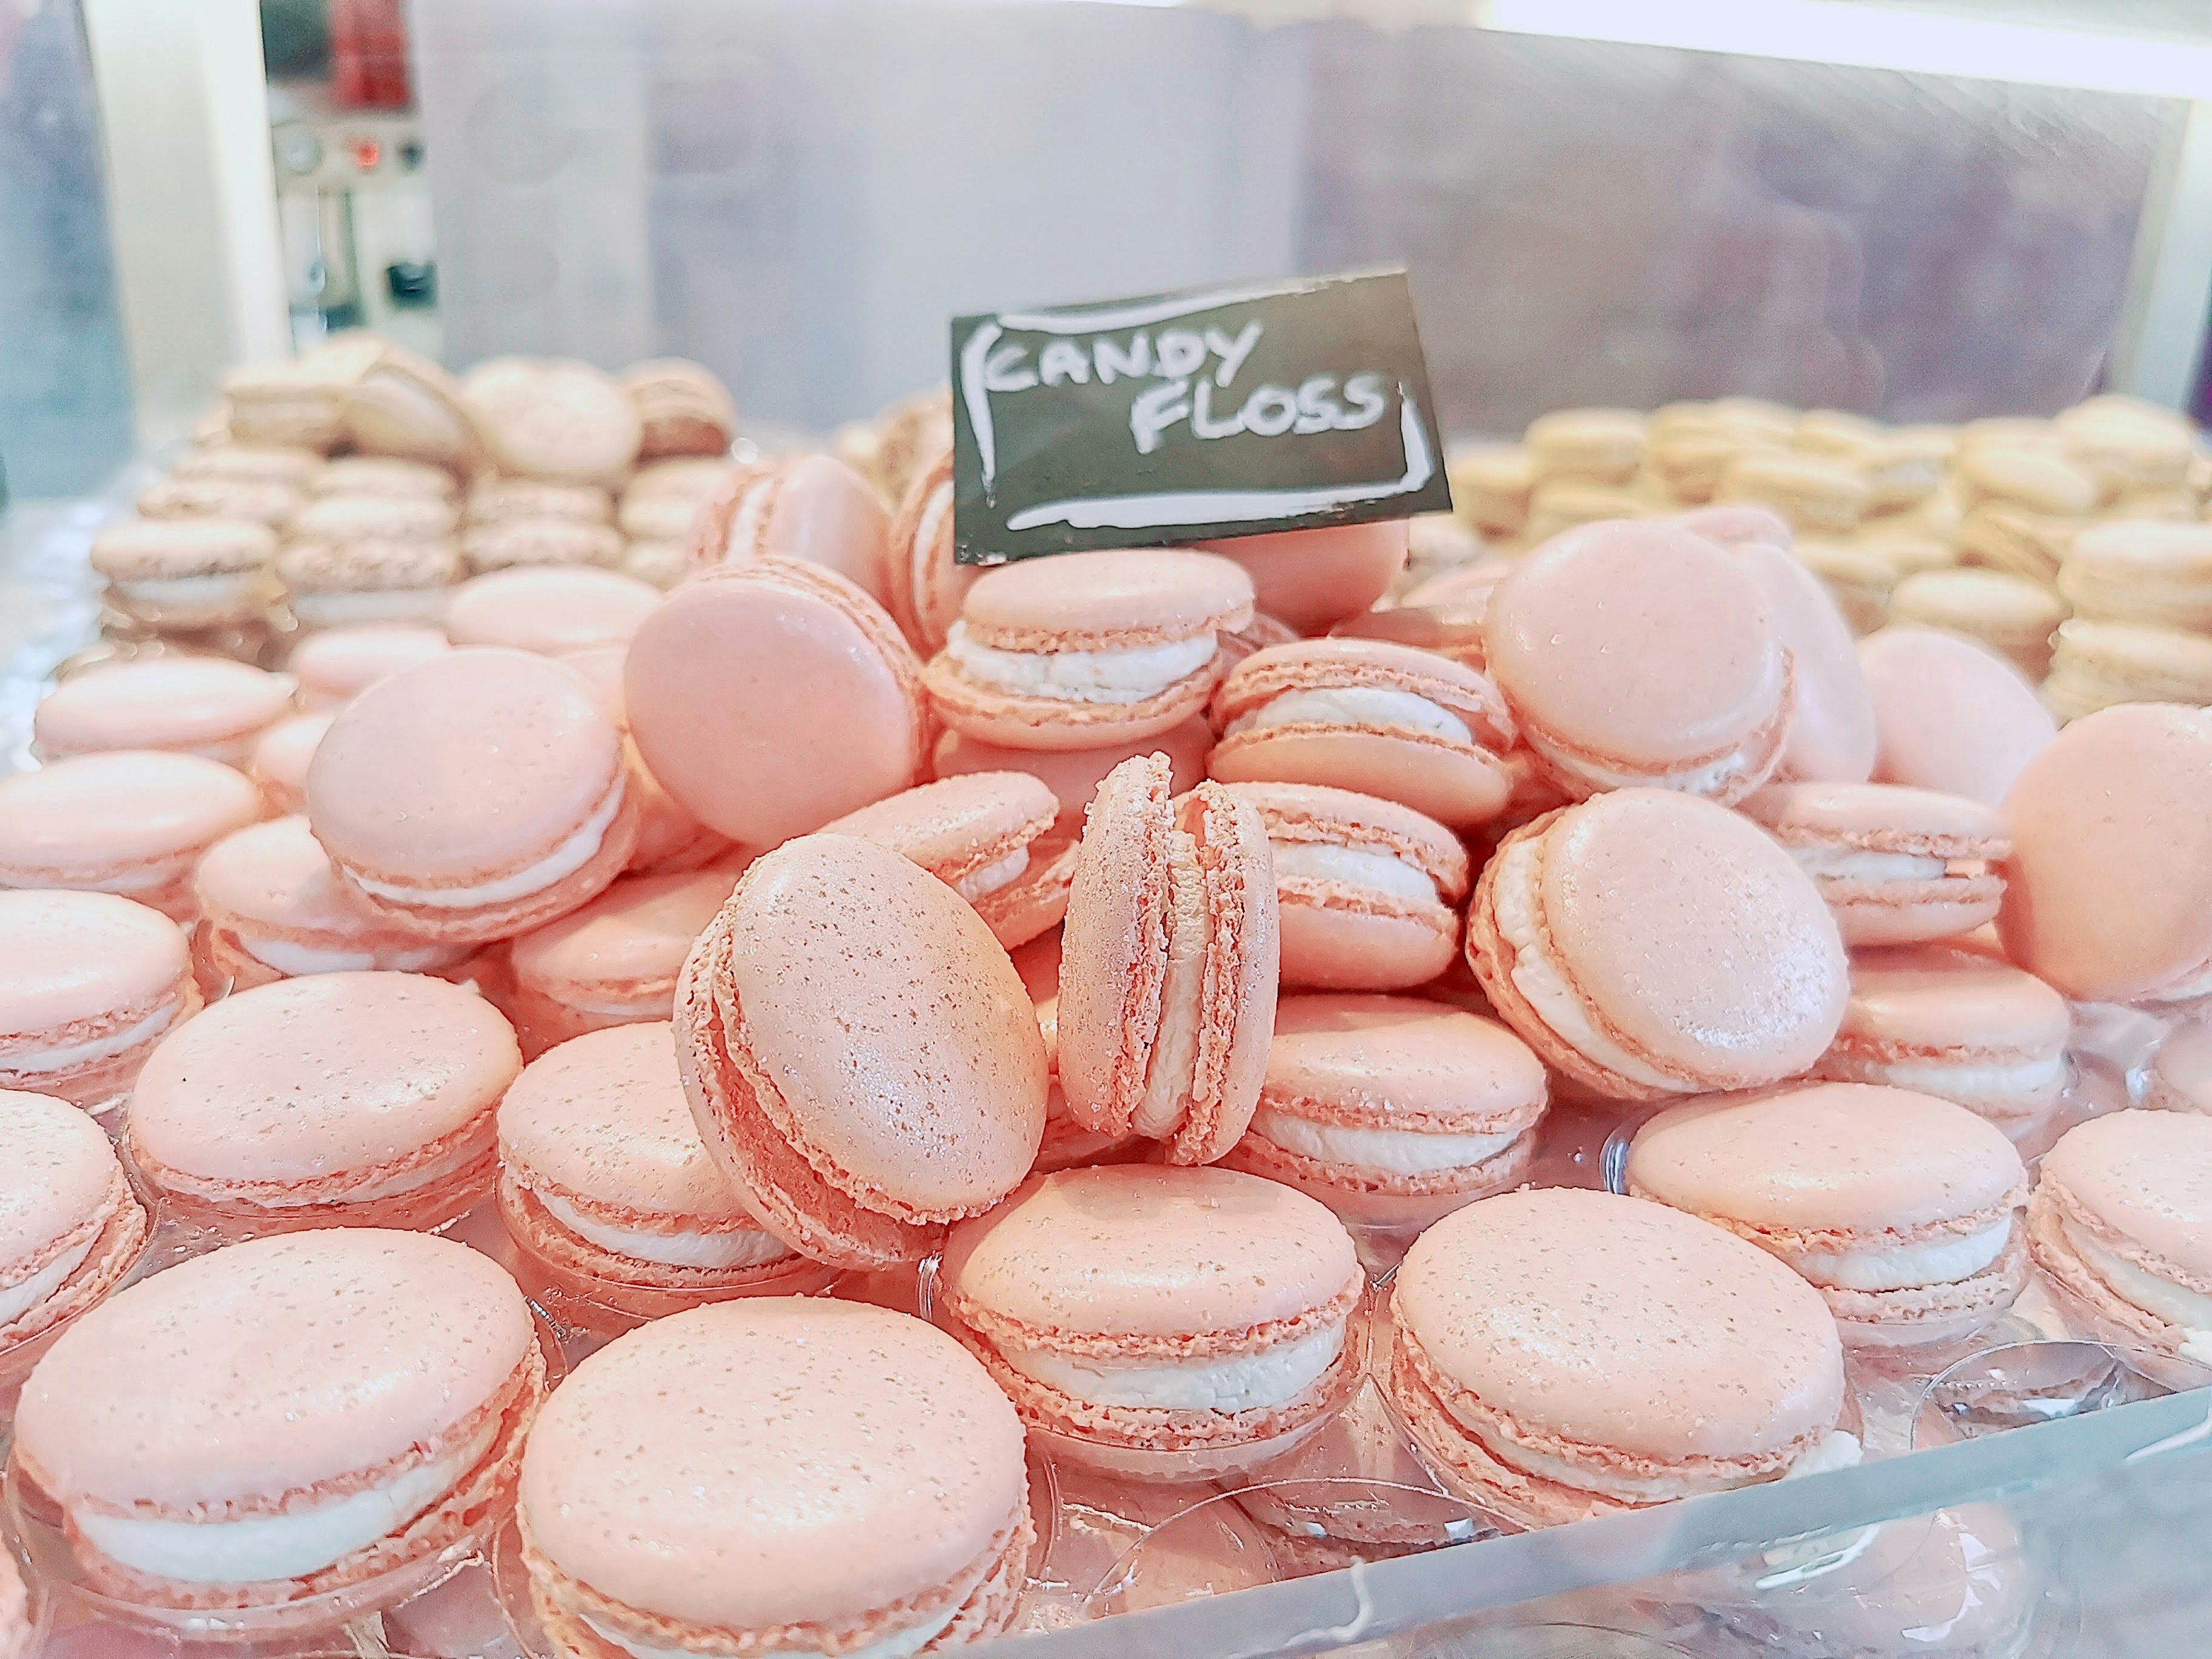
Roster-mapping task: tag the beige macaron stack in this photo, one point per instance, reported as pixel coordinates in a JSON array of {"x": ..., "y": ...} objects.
[
  {"x": 2013, "y": 616},
  {"x": 369, "y": 557}
]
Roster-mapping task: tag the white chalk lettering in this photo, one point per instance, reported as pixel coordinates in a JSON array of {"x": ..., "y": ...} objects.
[
  {"x": 1002, "y": 370},
  {"x": 1368, "y": 395},
  {"x": 1177, "y": 352},
  {"x": 1113, "y": 362},
  {"x": 1202, "y": 420},
  {"x": 1233, "y": 353},
  {"x": 1270, "y": 410},
  {"x": 1063, "y": 359},
  {"x": 1156, "y": 410},
  {"x": 1317, "y": 410}
]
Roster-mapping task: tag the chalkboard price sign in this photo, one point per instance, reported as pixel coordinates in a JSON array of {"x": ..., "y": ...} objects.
[{"x": 1181, "y": 417}]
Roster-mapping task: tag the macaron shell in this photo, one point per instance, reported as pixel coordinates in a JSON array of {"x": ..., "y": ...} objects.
[
  {"x": 1844, "y": 1158},
  {"x": 1243, "y": 971},
  {"x": 1458, "y": 786},
  {"x": 2108, "y": 891},
  {"x": 280, "y": 760},
  {"x": 1949, "y": 714},
  {"x": 549, "y": 609},
  {"x": 1106, "y": 599},
  {"x": 1312, "y": 578},
  {"x": 93, "y": 819},
  {"x": 1062, "y": 723},
  {"x": 79, "y": 960},
  {"x": 927, "y": 587},
  {"x": 631, "y": 938},
  {"x": 956, "y": 826},
  {"x": 826, "y": 514},
  {"x": 1621, "y": 1324},
  {"x": 271, "y": 1366},
  {"x": 1400, "y": 1063},
  {"x": 1832, "y": 729},
  {"x": 1073, "y": 775},
  {"x": 208, "y": 706},
  {"x": 60, "y": 1178},
  {"x": 838, "y": 948},
  {"x": 816, "y": 697},
  {"x": 1137, "y": 1252},
  {"x": 336, "y": 667},
  {"x": 1331, "y": 944},
  {"x": 2145, "y": 1178},
  {"x": 1585, "y": 640}
]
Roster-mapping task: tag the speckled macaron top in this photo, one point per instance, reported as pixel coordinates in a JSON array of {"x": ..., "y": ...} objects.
[
  {"x": 627, "y": 943},
  {"x": 243, "y": 1375},
  {"x": 59, "y": 1182},
  {"x": 2143, "y": 1180},
  {"x": 71, "y": 963},
  {"x": 1399, "y": 1062},
  {"x": 958, "y": 826},
  {"x": 90, "y": 815},
  {"x": 1106, "y": 601}
]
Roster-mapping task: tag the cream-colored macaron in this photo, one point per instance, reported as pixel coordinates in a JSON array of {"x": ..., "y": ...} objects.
[
  {"x": 1858, "y": 577},
  {"x": 1604, "y": 446},
  {"x": 2010, "y": 614},
  {"x": 1491, "y": 486},
  {"x": 2098, "y": 663},
  {"x": 2005, "y": 536},
  {"x": 2142, "y": 571},
  {"x": 1558, "y": 504},
  {"x": 2042, "y": 480},
  {"x": 1818, "y": 496}
]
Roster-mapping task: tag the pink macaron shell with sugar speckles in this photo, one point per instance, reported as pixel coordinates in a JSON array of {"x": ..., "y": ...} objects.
[
  {"x": 965, "y": 829},
  {"x": 1950, "y": 714},
  {"x": 673, "y": 1485},
  {"x": 1073, "y": 774},
  {"x": 89, "y": 984},
  {"x": 269, "y": 1368},
  {"x": 2108, "y": 891},
  {"x": 1832, "y": 733},
  {"x": 615, "y": 960},
  {"x": 332, "y": 1088},
  {"x": 477, "y": 793},
  {"x": 1637, "y": 1334},
  {"x": 926, "y": 586},
  {"x": 814, "y": 694},
  {"x": 1312, "y": 578},
  {"x": 131, "y": 821},
  {"x": 208, "y": 706},
  {"x": 669, "y": 838},
  {"x": 335, "y": 666},
  {"x": 549, "y": 609},
  {"x": 2142, "y": 1180},
  {"x": 280, "y": 760},
  {"x": 1589, "y": 639},
  {"x": 60, "y": 1179},
  {"x": 1866, "y": 845}
]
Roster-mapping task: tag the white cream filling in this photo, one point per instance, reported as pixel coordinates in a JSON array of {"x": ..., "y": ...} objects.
[
  {"x": 1393, "y": 1152},
  {"x": 1174, "y": 1065},
  {"x": 265, "y": 1546},
  {"x": 1941, "y": 1261},
  {"x": 1355, "y": 705},
  {"x": 25, "y": 1294},
  {"x": 571, "y": 856},
  {"x": 72, "y": 1054},
  {"x": 1515, "y": 897},
  {"x": 300, "y": 960},
  {"x": 2153, "y": 1293},
  {"x": 679, "y": 1249},
  {"x": 1834, "y": 1450},
  {"x": 1243, "y": 1383},
  {"x": 1705, "y": 781},
  {"x": 2027, "y": 1076},
  {"x": 1127, "y": 676},
  {"x": 982, "y": 883},
  {"x": 745, "y": 524},
  {"x": 901, "y": 1645},
  {"x": 187, "y": 590},
  {"x": 1357, "y": 866},
  {"x": 1850, "y": 864}
]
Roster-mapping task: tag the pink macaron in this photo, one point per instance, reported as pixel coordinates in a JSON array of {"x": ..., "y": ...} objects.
[
  {"x": 810, "y": 508},
  {"x": 1648, "y": 944},
  {"x": 1957, "y": 1022},
  {"x": 925, "y": 585},
  {"x": 1088, "y": 649},
  {"x": 815, "y": 698},
  {"x": 1635, "y": 654},
  {"x": 606, "y": 1186},
  {"x": 1901, "y": 1209},
  {"x": 1170, "y": 960},
  {"x": 342, "y": 1099},
  {"x": 1160, "y": 1324},
  {"x": 1391, "y": 1110},
  {"x": 1309, "y": 579},
  {"x": 272, "y": 907},
  {"x": 669, "y": 837},
  {"x": 1073, "y": 774},
  {"x": 208, "y": 706},
  {"x": 862, "y": 1060},
  {"x": 89, "y": 984},
  {"x": 336, "y": 666},
  {"x": 1833, "y": 734},
  {"x": 614, "y": 962},
  {"x": 70, "y": 1227},
  {"x": 280, "y": 760},
  {"x": 987, "y": 836},
  {"x": 1950, "y": 714},
  {"x": 474, "y": 795},
  {"x": 1368, "y": 716},
  {"x": 2121, "y": 1219},
  {"x": 549, "y": 609},
  {"x": 284, "y": 1418},
  {"x": 1368, "y": 891},
  {"x": 131, "y": 821},
  {"x": 2108, "y": 892},
  {"x": 1067, "y": 1143},
  {"x": 1897, "y": 866},
  {"x": 1560, "y": 1354},
  {"x": 785, "y": 1475}
]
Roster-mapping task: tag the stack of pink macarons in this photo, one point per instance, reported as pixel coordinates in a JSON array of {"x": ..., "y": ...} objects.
[{"x": 1107, "y": 944}]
